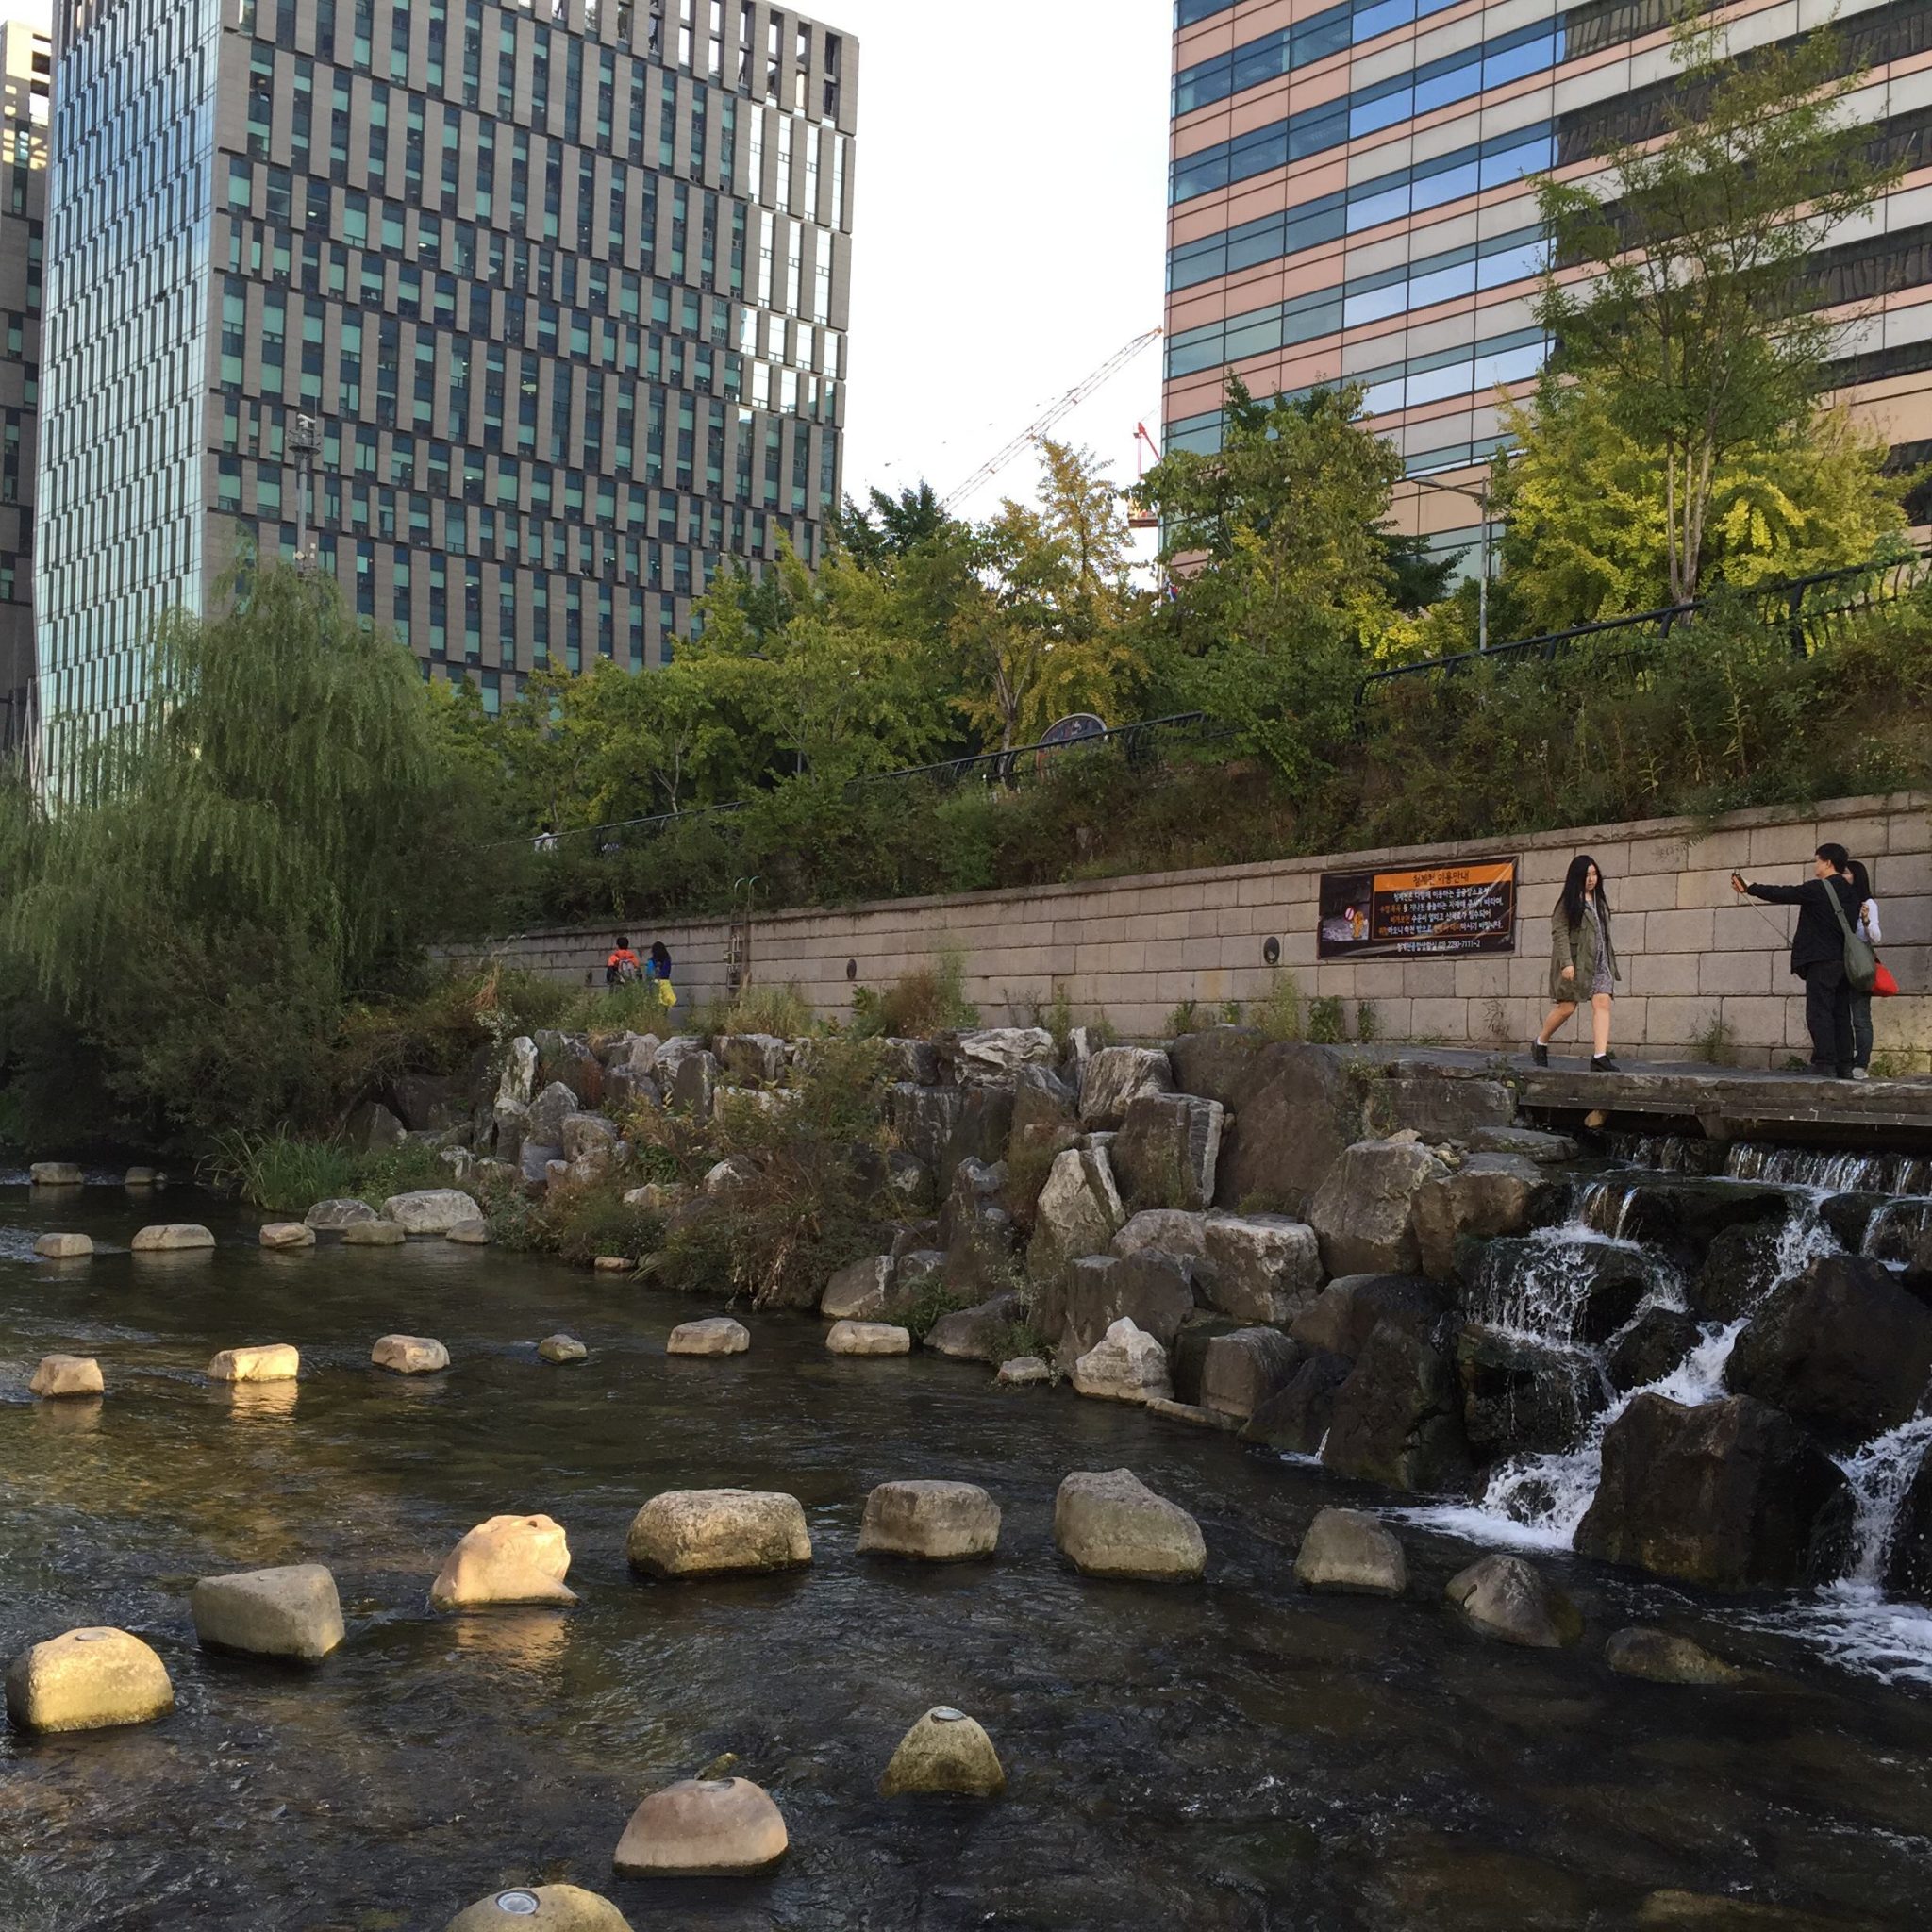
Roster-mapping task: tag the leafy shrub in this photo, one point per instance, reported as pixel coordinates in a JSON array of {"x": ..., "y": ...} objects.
[
  {"x": 776, "y": 1010},
  {"x": 581, "y": 1221},
  {"x": 1185, "y": 1018},
  {"x": 928, "y": 1000},
  {"x": 1327, "y": 1021},
  {"x": 1278, "y": 1011},
  {"x": 281, "y": 1174}
]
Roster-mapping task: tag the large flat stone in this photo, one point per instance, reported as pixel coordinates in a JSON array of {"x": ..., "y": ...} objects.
[
  {"x": 868, "y": 1338},
  {"x": 281, "y": 1235},
  {"x": 1108, "y": 1522},
  {"x": 702, "y": 1828},
  {"x": 169, "y": 1238},
  {"x": 939, "y": 1522},
  {"x": 714, "y": 1335},
  {"x": 292, "y": 1612},
  {"x": 410, "y": 1354},
  {"x": 338, "y": 1214},
  {"x": 64, "y": 1248},
  {"x": 271, "y": 1362},
  {"x": 430, "y": 1210},
  {"x": 712, "y": 1532}
]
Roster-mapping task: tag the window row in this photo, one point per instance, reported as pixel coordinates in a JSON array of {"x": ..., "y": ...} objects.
[{"x": 1495, "y": 164}]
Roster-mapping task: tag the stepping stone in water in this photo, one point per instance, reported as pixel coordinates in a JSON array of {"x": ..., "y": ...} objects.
[
  {"x": 170, "y": 1238},
  {"x": 67, "y": 1374},
  {"x": 1349, "y": 1552},
  {"x": 562, "y": 1348},
  {"x": 938, "y": 1522},
  {"x": 410, "y": 1354},
  {"x": 429, "y": 1210},
  {"x": 339, "y": 1214},
  {"x": 944, "y": 1752},
  {"x": 1505, "y": 1598},
  {"x": 374, "y": 1234},
  {"x": 292, "y": 1613},
  {"x": 509, "y": 1559},
  {"x": 141, "y": 1177},
  {"x": 868, "y": 1338},
  {"x": 1023, "y": 1372},
  {"x": 87, "y": 1680},
  {"x": 287, "y": 1234},
  {"x": 1658, "y": 1657},
  {"x": 55, "y": 1173},
  {"x": 474, "y": 1234},
  {"x": 703, "y": 1828},
  {"x": 272, "y": 1361},
  {"x": 713, "y": 1532},
  {"x": 545, "y": 1908},
  {"x": 716, "y": 1335},
  {"x": 64, "y": 1248},
  {"x": 1108, "y": 1522}
]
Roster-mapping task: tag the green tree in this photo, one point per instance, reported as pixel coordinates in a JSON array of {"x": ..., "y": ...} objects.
[
  {"x": 1679, "y": 279},
  {"x": 274, "y": 832}
]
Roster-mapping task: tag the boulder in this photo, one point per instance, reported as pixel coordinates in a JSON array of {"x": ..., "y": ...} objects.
[
  {"x": 333, "y": 1216},
  {"x": 292, "y": 1612},
  {"x": 507, "y": 1560},
  {"x": 1166, "y": 1152},
  {"x": 1658, "y": 1657},
  {"x": 543, "y": 1908},
  {"x": 87, "y": 1680},
  {"x": 1398, "y": 1418},
  {"x": 1741, "y": 1264},
  {"x": 694, "y": 1087},
  {"x": 1217, "y": 1063},
  {"x": 1241, "y": 1370},
  {"x": 996, "y": 1052},
  {"x": 1108, "y": 1522},
  {"x": 1295, "y": 1112},
  {"x": 1649, "y": 1348},
  {"x": 518, "y": 1085},
  {"x": 431, "y": 1103},
  {"x": 1489, "y": 1194},
  {"x": 1532, "y": 1143},
  {"x": 1079, "y": 1213},
  {"x": 1582, "y": 1290},
  {"x": 945, "y": 1753},
  {"x": 535, "y": 1162},
  {"x": 1125, "y": 1365},
  {"x": 174, "y": 1237},
  {"x": 549, "y": 1111},
  {"x": 562, "y": 1348},
  {"x": 64, "y": 1248},
  {"x": 66, "y": 1374},
  {"x": 613, "y": 1264},
  {"x": 702, "y": 1828},
  {"x": 1187, "y": 1354},
  {"x": 725, "y": 1177},
  {"x": 55, "y": 1173},
  {"x": 1908, "y": 1555},
  {"x": 509, "y": 1127},
  {"x": 1364, "y": 1212},
  {"x": 1343, "y": 1317},
  {"x": 915, "y": 1271},
  {"x": 868, "y": 1338},
  {"x": 939, "y": 1522},
  {"x": 274, "y": 1361},
  {"x": 283, "y": 1234},
  {"x": 923, "y": 1117},
  {"x": 370, "y": 1127},
  {"x": 1732, "y": 1495},
  {"x": 859, "y": 1291},
  {"x": 470, "y": 1234},
  {"x": 977, "y": 1334},
  {"x": 913, "y": 1060},
  {"x": 983, "y": 1128},
  {"x": 1349, "y": 1552},
  {"x": 713, "y": 1532},
  {"x": 1504, "y": 1597},
  {"x": 1152, "y": 1290},
  {"x": 1117, "y": 1076},
  {"x": 1173, "y": 1230},
  {"x": 1262, "y": 1268},
  {"x": 1683, "y": 1214},
  {"x": 714, "y": 1335},
  {"x": 430, "y": 1210},
  {"x": 1849, "y": 1216},
  {"x": 1045, "y": 1115},
  {"x": 143, "y": 1177},
  {"x": 1296, "y": 1419},
  {"x": 1522, "y": 1396},
  {"x": 658, "y": 1197},
  {"x": 1023, "y": 1372},
  {"x": 590, "y": 1137},
  {"x": 410, "y": 1354},
  {"x": 751, "y": 1060},
  {"x": 1436, "y": 1105},
  {"x": 376, "y": 1234},
  {"x": 1843, "y": 1349},
  {"x": 973, "y": 1192}
]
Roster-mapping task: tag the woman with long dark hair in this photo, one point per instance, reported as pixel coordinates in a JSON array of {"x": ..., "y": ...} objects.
[
  {"x": 1860, "y": 877},
  {"x": 1583, "y": 962}
]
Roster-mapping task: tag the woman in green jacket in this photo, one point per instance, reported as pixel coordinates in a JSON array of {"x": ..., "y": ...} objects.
[{"x": 1583, "y": 962}]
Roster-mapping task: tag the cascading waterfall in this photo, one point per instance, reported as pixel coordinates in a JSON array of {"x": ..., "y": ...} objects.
[{"x": 1541, "y": 1288}]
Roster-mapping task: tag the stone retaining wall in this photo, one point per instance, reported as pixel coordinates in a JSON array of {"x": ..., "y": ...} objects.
[{"x": 1134, "y": 948}]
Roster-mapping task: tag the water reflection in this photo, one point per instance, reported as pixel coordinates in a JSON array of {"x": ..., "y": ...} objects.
[
  {"x": 527, "y": 1640},
  {"x": 259, "y": 1402},
  {"x": 68, "y": 1415}
]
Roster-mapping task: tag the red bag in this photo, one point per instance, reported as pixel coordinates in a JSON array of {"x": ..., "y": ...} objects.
[{"x": 1884, "y": 986}]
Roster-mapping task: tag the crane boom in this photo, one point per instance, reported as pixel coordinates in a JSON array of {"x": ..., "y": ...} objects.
[{"x": 1062, "y": 406}]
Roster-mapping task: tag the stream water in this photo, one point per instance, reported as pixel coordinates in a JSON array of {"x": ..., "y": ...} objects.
[
  {"x": 1539, "y": 1288},
  {"x": 1233, "y": 1755}
]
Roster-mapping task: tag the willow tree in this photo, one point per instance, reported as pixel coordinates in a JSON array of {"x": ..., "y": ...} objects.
[{"x": 250, "y": 851}]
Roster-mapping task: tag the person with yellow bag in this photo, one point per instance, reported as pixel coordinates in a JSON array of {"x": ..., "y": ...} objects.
[{"x": 658, "y": 971}]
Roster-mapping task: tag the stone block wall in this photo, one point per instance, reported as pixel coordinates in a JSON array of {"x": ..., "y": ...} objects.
[{"x": 1133, "y": 949}]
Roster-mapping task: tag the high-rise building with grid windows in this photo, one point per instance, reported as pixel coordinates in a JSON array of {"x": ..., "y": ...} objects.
[
  {"x": 526, "y": 318},
  {"x": 1351, "y": 200},
  {"x": 25, "y": 58}
]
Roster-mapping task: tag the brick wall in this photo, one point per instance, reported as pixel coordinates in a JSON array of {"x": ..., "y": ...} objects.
[{"x": 1134, "y": 948}]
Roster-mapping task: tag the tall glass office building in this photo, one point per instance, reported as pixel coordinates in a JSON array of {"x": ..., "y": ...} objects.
[
  {"x": 1350, "y": 201},
  {"x": 528, "y": 317}
]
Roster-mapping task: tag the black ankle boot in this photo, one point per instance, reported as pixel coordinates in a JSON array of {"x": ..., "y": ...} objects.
[
  {"x": 1604, "y": 1063},
  {"x": 1539, "y": 1053}
]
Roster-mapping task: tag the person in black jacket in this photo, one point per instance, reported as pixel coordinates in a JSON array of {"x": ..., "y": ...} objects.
[{"x": 1818, "y": 954}]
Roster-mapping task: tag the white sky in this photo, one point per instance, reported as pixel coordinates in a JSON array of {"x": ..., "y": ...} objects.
[{"x": 1009, "y": 230}]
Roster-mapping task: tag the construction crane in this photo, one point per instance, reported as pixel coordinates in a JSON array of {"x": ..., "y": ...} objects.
[{"x": 1063, "y": 406}]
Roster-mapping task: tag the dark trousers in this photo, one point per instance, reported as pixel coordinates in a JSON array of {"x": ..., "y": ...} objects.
[
  {"x": 1828, "y": 1016},
  {"x": 1861, "y": 1029}
]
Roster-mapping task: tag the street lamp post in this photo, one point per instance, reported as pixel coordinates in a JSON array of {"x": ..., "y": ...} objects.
[
  {"x": 1480, "y": 498},
  {"x": 303, "y": 443}
]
